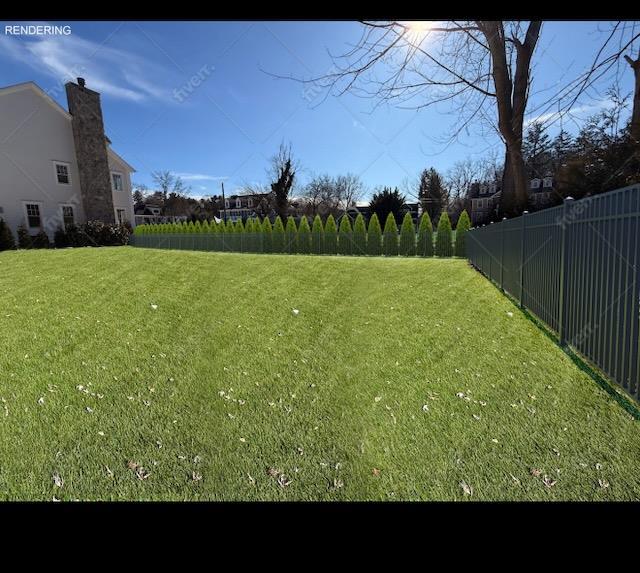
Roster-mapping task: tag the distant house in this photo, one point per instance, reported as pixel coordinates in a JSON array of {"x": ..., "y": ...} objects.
[
  {"x": 245, "y": 206},
  {"x": 151, "y": 213},
  {"x": 56, "y": 166},
  {"x": 485, "y": 197}
]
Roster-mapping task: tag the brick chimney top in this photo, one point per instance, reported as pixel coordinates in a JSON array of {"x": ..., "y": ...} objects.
[{"x": 81, "y": 82}]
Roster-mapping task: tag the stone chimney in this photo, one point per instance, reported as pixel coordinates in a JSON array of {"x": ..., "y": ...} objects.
[{"x": 91, "y": 151}]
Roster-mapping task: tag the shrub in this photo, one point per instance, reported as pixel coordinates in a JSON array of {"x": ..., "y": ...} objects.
[
  {"x": 238, "y": 227},
  {"x": 41, "y": 241},
  {"x": 359, "y": 236},
  {"x": 191, "y": 228},
  {"x": 248, "y": 238},
  {"x": 425, "y": 237},
  {"x": 317, "y": 236},
  {"x": 205, "y": 226},
  {"x": 7, "y": 242},
  {"x": 443, "y": 238},
  {"x": 374, "y": 236},
  {"x": 407, "y": 237},
  {"x": 291, "y": 236},
  {"x": 304, "y": 236},
  {"x": 277, "y": 239},
  {"x": 330, "y": 236},
  {"x": 24, "y": 238},
  {"x": 390, "y": 237},
  {"x": 99, "y": 234},
  {"x": 60, "y": 239},
  {"x": 345, "y": 246},
  {"x": 464, "y": 224},
  {"x": 267, "y": 236}
]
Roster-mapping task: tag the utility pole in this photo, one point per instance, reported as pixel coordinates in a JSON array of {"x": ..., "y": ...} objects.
[{"x": 224, "y": 204}]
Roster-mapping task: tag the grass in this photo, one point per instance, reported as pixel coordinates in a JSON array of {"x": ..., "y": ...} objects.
[{"x": 399, "y": 379}]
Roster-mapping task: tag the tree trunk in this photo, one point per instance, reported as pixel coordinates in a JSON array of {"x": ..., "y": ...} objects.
[
  {"x": 635, "y": 114},
  {"x": 511, "y": 98}
]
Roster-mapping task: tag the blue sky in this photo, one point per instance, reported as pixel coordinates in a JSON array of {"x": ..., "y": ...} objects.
[{"x": 226, "y": 127}]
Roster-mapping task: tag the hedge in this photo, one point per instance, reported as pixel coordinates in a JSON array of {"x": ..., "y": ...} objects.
[{"x": 351, "y": 238}]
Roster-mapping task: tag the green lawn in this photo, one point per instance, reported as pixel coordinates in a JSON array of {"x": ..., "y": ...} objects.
[{"x": 399, "y": 379}]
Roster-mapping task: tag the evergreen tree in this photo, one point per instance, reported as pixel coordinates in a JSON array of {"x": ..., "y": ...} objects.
[
  {"x": 197, "y": 227},
  {"x": 238, "y": 227},
  {"x": 432, "y": 193},
  {"x": 41, "y": 241},
  {"x": 317, "y": 236},
  {"x": 7, "y": 241},
  {"x": 359, "y": 236},
  {"x": 278, "y": 239},
  {"x": 291, "y": 236},
  {"x": 387, "y": 201},
  {"x": 374, "y": 236},
  {"x": 330, "y": 236},
  {"x": 304, "y": 236},
  {"x": 345, "y": 236},
  {"x": 24, "y": 238},
  {"x": 191, "y": 228},
  {"x": 443, "y": 237},
  {"x": 464, "y": 224},
  {"x": 424, "y": 247},
  {"x": 407, "y": 237},
  {"x": 205, "y": 227},
  {"x": 267, "y": 236},
  {"x": 390, "y": 237}
]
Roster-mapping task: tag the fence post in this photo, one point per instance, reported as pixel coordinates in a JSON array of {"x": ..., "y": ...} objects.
[
  {"x": 522, "y": 244},
  {"x": 564, "y": 261}
]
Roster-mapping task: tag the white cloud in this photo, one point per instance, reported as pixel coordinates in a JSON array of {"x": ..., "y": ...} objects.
[
  {"x": 200, "y": 177},
  {"x": 110, "y": 70},
  {"x": 580, "y": 111}
]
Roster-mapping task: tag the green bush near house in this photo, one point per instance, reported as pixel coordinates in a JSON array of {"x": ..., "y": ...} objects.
[
  {"x": 267, "y": 236},
  {"x": 390, "y": 236},
  {"x": 374, "y": 236},
  {"x": 7, "y": 242}
]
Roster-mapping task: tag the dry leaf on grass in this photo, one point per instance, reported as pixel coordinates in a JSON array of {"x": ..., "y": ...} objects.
[{"x": 466, "y": 488}]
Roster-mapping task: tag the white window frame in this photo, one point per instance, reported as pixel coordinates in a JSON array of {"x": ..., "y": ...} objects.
[
  {"x": 73, "y": 210},
  {"x": 124, "y": 217},
  {"x": 226, "y": 203},
  {"x": 238, "y": 203},
  {"x": 547, "y": 182},
  {"x": 535, "y": 183},
  {"x": 250, "y": 202},
  {"x": 40, "y": 205},
  {"x": 55, "y": 171},
  {"x": 113, "y": 185}
]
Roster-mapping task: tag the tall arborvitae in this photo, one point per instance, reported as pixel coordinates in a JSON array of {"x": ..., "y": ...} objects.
[
  {"x": 317, "y": 236},
  {"x": 278, "y": 236},
  {"x": 444, "y": 247},
  {"x": 248, "y": 236},
  {"x": 464, "y": 224},
  {"x": 359, "y": 236},
  {"x": 374, "y": 236},
  {"x": 330, "y": 236},
  {"x": 304, "y": 236},
  {"x": 239, "y": 226},
  {"x": 267, "y": 236},
  {"x": 291, "y": 236},
  {"x": 191, "y": 228},
  {"x": 345, "y": 236},
  {"x": 390, "y": 237},
  {"x": 198, "y": 226},
  {"x": 407, "y": 237},
  {"x": 424, "y": 246}
]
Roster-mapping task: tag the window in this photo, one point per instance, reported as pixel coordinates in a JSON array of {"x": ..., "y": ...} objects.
[
  {"x": 492, "y": 188},
  {"x": 547, "y": 182},
  {"x": 67, "y": 215},
  {"x": 249, "y": 202},
  {"x": 483, "y": 189},
  {"x": 226, "y": 203},
  {"x": 238, "y": 203},
  {"x": 116, "y": 181},
  {"x": 62, "y": 173},
  {"x": 535, "y": 183},
  {"x": 33, "y": 215},
  {"x": 121, "y": 216}
]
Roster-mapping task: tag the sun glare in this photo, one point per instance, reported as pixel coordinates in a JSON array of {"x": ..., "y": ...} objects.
[{"x": 418, "y": 30}]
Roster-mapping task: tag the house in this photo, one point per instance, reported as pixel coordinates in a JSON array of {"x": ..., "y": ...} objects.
[
  {"x": 57, "y": 166},
  {"x": 245, "y": 206},
  {"x": 150, "y": 213},
  {"x": 485, "y": 197}
]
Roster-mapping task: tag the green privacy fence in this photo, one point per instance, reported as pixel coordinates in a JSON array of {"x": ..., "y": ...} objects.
[{"x": 576, "y": 268}]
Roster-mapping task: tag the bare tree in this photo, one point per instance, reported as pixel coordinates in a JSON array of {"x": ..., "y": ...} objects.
[
  {"x": 350, "y": 189},
  {"x": 168, "y": 182},
  {"x": 484, "y": 66},
  {"x": 282, "y": 174},
  {"x": 635, "y": 114},
  {"x": 326, "y": 195}
]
